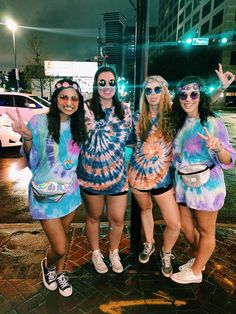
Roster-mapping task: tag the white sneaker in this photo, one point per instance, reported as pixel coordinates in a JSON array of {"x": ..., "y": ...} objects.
[
  {"x": 98, "y": 263},
  {"x": 186, "y": 276},
  {"x": 115, "y": 261},
  {"x": 189, "y": 264}
]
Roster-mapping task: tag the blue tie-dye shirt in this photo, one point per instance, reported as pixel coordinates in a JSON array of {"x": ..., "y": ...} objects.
[{"x": 46, "y": 161}]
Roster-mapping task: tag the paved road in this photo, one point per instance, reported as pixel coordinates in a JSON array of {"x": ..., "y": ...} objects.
[{"x": 141, "y": 289}]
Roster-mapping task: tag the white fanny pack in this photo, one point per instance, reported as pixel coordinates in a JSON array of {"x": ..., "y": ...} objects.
[{"x": 195, "y": 175}]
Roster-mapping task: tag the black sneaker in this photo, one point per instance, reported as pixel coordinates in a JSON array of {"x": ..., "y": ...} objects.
[
  {"x": 166, "y": 267},
  {"x": 64, "y": 286},
  {"x": 49, "y": 276},
  {"x": 148, "y": 249}
]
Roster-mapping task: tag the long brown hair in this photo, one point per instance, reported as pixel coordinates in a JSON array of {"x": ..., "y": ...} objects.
[{"x": 163, "y": 113}]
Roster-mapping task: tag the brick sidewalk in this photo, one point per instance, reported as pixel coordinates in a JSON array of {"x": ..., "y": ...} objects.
[{"x": 141, "y": 289}]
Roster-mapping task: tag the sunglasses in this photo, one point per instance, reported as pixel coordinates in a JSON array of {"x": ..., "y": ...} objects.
[
  {"x": 66, "y": 98},
  {"x": 103, "y": 83},
  {"x": 148, "y": 90},
  {"x": 184, "y": 96}
]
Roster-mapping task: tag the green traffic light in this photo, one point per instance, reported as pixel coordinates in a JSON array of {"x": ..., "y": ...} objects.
[
  {"x": 188, "y": 41},
  {"x": 224, "y": 40}
]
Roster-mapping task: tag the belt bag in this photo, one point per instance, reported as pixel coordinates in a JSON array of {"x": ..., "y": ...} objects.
[
  {"x": 50, "y": 190},
  {"x": 195, "y": 175}
]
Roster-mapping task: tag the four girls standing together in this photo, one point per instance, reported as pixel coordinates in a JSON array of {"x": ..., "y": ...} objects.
[{"x": 87, "y": 140}]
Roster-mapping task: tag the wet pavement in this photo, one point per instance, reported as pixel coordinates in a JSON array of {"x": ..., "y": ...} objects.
[{"x": 140, "y": 289}]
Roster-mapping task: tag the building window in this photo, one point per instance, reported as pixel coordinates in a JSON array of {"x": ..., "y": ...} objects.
[
  {"x": 217, "y": 19},
  {"x": 188, "y": 10},
  {"x": 180, "y": 32},
  {"x": 233, "y": 58},
  {"x": 174, "y": 25},
  {"x": 234, "y": 36},
  {"x": 217, "y": 2},
  {"x": 196, "y": 18},
  {"x": 181, "y": 4},
  {"x": 206, "y": 9},
  {"x": 205, "y": 28},
  {"x": 196, "y": 3},
  {"x": 181, "y": 18},
  {"x": 187, "y": 26}
]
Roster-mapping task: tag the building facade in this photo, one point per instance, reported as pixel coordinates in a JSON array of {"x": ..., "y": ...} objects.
[
  {"x": 213, "y": 19},
  {"x": 115, "y": 24}
]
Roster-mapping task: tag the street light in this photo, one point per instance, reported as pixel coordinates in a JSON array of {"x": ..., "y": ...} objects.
[{"x": 13, "y": 27}]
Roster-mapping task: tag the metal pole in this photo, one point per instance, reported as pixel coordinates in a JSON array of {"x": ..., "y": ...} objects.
[
  {"x": 15, "y": 65},
  {"x": 141, "y": 66}
]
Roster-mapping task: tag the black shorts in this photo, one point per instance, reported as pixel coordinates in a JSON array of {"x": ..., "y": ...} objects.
[
  {"x": 93, "y": 193},
  {"x": 158, "y": 191},
  {"x": 182, "y": 204}
]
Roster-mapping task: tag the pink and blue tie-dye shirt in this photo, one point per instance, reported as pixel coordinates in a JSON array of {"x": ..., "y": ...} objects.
[{"x": 190, "y": 148}]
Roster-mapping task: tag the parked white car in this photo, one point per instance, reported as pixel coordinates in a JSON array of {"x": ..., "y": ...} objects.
[{"x": 28, "y": 105}]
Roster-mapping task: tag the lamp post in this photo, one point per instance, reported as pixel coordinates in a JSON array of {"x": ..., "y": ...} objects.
[{"x": 13, "y": 27}]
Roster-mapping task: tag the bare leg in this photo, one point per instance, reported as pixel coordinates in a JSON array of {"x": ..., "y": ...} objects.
[
  {"x": 206, "y": 225},
  {"x": 171, "y": 216},
  {"x": 188, "y": 226},
  {"x": 116, "y": 206},
  {"x": 56, "y": 231},
  {"x": 94, "y": 205},
  {"x": 145, "y": 203}
]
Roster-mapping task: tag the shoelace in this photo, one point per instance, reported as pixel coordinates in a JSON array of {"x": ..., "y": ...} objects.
[
  {"x": 147, "y": 248},
  {"x": 98, "y": 258},
  {"x": 115, "y": 259},
  {"x": 51, "y": 275},
  {"x": 63, "y": 281},
  {"x": 166, "y": 258}
]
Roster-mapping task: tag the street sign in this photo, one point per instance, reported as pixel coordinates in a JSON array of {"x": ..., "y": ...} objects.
[{"x": 200, "y": 41}]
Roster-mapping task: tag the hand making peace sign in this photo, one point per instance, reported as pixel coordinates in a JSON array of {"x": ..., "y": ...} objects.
[
  {"x": 212, "y": 142},
  {"x": 19, "y": 126},
  {"x": 225, "y": 78}
]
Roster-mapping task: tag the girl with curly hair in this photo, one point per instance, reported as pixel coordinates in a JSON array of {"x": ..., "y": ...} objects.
[{"x": 201, "y": 151}]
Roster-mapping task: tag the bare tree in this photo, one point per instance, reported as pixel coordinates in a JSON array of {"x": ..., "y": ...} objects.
[{"x": 35, "y": 59}]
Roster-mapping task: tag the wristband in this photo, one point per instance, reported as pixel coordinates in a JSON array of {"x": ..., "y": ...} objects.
[{"x": 28, "y": 140}]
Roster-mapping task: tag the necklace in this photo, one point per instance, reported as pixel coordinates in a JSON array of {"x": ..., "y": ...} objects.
[{"x": 68, "y": 163}]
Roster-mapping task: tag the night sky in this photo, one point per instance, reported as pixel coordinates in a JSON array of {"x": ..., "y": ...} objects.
[{"x": 67, "y": 28}]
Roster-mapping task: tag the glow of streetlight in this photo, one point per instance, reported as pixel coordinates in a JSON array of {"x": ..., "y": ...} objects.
[{"x": 11, "y": 25}]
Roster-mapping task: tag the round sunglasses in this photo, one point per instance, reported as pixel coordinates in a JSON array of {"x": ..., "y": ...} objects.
[
  {"x": 149, "y": 90},
  {"x": 103, "y": 83},
  {"x": 193, "y": 95}
]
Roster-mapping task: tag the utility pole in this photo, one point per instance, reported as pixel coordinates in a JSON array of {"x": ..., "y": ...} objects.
[{"x": 141, "y": 68}]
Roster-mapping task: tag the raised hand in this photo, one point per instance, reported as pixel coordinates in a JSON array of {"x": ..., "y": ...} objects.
[
  {"x": 212, "y": 142},
  {"x": 19, "y": 126},
  {"x": 226, "y": 78}
]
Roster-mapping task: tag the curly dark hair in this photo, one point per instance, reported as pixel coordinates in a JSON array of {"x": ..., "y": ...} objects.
[
  {"x": 94, "y": 102},
  {"x": 179, "y": 115},
  {"x": 77, "y": 121}
]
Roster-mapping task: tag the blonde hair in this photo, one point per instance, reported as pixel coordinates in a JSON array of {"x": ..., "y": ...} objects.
[{"x": 164, "y": 111}]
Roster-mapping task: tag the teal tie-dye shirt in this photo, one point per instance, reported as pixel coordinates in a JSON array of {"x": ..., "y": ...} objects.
[{"x": 46, "y": 162}]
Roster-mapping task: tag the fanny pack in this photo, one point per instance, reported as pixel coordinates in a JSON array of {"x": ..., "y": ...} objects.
[
  {"x": 50, "y": 190},
  {"x": 195, "y": 175}
]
